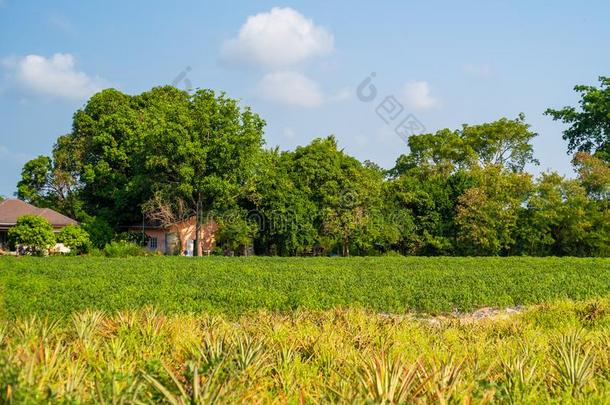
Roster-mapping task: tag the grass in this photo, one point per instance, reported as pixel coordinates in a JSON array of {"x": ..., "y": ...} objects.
[
  {"x": 554, "y": 353},
  {"x": 59, "y": 286}
]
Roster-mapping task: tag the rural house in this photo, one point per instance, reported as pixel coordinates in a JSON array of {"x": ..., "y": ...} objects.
[
  {"x": 12, "y": 209},
  {"x": 178, "y": 238}
]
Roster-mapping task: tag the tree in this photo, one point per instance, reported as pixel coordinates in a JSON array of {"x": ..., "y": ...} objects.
[
  {"x": 76, "y": 238},
  {"x": 430, "y": 202},
  {"x": 346, "y": 194},
  {"x": 99, "y": 230},
  {"x": 206, "y": 154},
  {"x": 45, "y": 184},
  {"x": 286, "y": 214},
  {"x": 35, "y": 179},
  {"x": 487, "y": 215},
  {"x": 594, "y": 174},
  {"x": 559, "y": 219},
  {"x": 589, "y": 129},
  {"x": 124, "y": 149},
  {"x": 503, "y": 142},
  {"x": 33, "y": 233},
  {"x": 236, "y": 230},
  {"x": 168, "y": 213}
]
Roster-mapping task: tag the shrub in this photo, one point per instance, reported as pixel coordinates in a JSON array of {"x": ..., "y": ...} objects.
[
  {"x": 100, "y": 232},
  {"x": 76, "y": 238},
  {"x": 33, "y": 234},
  {"x": 123, "y": 249},
  {"x": 138, "y": 238}
]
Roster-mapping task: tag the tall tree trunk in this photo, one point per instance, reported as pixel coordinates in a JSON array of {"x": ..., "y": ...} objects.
[
  {"x": 345, "y": 246},
  {"x": 198, "y": 221}
]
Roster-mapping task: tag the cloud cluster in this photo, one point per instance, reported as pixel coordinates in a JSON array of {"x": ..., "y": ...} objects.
[
  {"x": 280, "y": 38},
  {"x": 279, "y": 42},
  {"x": 417, "y": 96},
  {"x": 55, "y": 76}
]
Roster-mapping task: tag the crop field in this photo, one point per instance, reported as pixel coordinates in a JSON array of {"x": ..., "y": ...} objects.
[
  {"x": 58, "y": 286},
  {"x": 303, "y": 330},
  {"x": 553, "y": 353}
]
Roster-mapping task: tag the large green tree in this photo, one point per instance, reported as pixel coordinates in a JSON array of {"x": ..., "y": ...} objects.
[
  {"x": 124, "y": 149},
  {"x": 426, "y": 202},
  {"x": 347, "y": 194},
  {"x": 487, "y": 215},
  {"x": 285, "y": 214},
  {"x": 559, "y": 220},
  {"x": 204, "y": 152},
  {"x": 594, "y": 173},
  {"x": 442, "y": 167},
  {"x": 503, "y": 142},
  {"x": 52, "y": 182},
  {"x": 589, "y": 129}
]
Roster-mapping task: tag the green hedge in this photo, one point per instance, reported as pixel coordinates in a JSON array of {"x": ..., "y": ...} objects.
[{"x": 61, "y": 285}]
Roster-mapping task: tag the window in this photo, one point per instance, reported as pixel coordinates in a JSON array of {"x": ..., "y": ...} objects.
[{"x": 152, "y": 243}]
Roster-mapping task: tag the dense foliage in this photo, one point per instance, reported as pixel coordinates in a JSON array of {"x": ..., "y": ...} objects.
[
  {"x": 122, "y": 249},
  {"x": 589, "y": 129},
  {"x": 62, "y": 285},
  {"x": 171, "y": 155},
  {"x": 76, "y": 238},
  {"x": 32, "y": 234},
  {"x": 556, "y": 353}
]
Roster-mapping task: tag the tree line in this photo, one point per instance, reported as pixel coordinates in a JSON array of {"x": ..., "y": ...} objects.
[{"x": 167, "y": 153}]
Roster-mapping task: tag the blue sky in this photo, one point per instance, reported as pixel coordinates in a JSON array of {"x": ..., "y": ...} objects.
[{"x": 299, "y": 64}]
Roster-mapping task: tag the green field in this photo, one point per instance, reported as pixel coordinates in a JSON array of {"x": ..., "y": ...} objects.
[
  {"x": 302, "y": 330},
  {"x": 60, "y": 286}
]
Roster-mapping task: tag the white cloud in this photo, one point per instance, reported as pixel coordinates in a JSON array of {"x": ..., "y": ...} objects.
[
  {"x": 55, "y": 76},
  {"x": 279, "y": 38},
  {"x": 290, "y": 88},
  {"x": 482, "y": 71},
  {"x": 417, "y": 96}
]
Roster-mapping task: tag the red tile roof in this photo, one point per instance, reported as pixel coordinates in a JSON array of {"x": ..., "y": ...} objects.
[{"x": 11, "y": 210}]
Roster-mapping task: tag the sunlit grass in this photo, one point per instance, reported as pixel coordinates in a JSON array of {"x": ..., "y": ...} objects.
[{"x": 60, "y": 286}]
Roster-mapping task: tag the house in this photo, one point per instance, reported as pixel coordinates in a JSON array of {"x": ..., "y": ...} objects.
[
  {"x": 11, "y": 210},
  {"x": 178, "y": 238}
]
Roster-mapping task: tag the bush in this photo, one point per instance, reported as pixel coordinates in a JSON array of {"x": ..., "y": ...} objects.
[
  {"x": 32, "y": 234},
  {"x": 123, "y": 249},
  {"x": 138, "y": 238},
  {"x": 76, "y": 238},
  {"x": 100, "y": 232}
]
